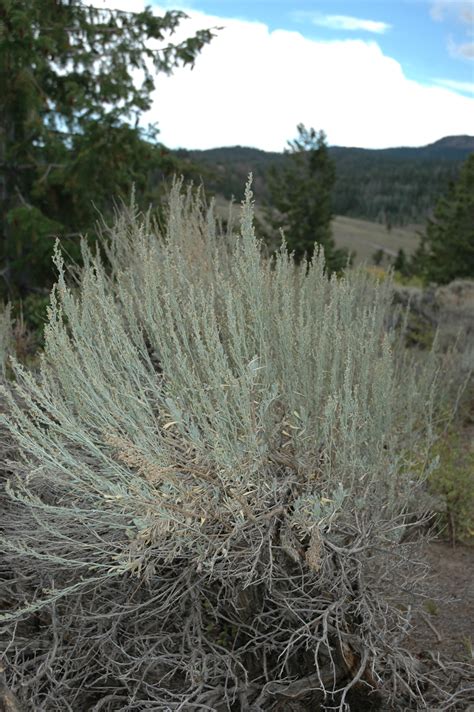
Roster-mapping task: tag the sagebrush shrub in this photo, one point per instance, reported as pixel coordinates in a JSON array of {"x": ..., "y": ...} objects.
[
  {"x": 6, "y": 337},
  {"x": 220, "y": 466}
]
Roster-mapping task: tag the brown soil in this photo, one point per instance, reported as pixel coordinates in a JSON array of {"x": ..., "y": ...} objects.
[
  {"x": 444, "y": 632},
  {"x": 447, "y": 625}
]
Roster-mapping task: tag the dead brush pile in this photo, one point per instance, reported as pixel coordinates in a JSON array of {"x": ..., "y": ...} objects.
[{"x": 220, "y": 464}]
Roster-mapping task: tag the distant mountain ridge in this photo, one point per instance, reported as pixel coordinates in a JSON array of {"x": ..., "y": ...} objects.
[
  {"x": 395, "y": 186},
  {"x": 465, "y": 143},
  {"x": 461, "y": 142}
]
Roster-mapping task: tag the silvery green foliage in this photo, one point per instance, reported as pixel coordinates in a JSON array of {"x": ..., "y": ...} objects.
[
  {"x": 219, "y": 455},
  {"x": 6, "y": 337}
]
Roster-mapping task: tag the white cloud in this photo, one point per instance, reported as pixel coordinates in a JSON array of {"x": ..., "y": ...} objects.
[
  {"x": 437, "y": 10},
  {"x": 251, "y": 86},
  {"x": 465, "y": 50},
  {"x": 466, "y": 87},
  {"x": 122, "y": 5},
  {"x": 345, "y": 22},
  {"x": 467, "y": 16},
  {"x": 460, "y": 9},
  {"x": 463, "y": 13}
]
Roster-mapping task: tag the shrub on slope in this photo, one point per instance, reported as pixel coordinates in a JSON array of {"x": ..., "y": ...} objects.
[{"x": 217, "y": 483}]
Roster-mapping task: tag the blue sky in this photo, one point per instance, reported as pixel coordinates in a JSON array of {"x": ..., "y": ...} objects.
[{"x": 370, "y": 73}]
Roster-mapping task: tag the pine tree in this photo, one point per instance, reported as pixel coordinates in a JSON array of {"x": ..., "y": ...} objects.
[
  {"x": 378, "y": 256},
  {"x": 401, "y": 263},
  {"x": 70, "y": 100},
  {"x": 301, "y": 191},
  {"x": 447, "y": 247}
]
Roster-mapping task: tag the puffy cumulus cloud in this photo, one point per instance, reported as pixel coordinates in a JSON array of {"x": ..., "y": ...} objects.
[
  {"x": 251, "y": 86},
  {"x": 343, "y": 22}
]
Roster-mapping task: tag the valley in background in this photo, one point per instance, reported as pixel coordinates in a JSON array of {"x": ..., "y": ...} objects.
[{"x": 381, "y": 200}]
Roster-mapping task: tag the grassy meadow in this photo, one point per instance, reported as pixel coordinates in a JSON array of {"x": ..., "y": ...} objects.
[{"x": 366, "y": 237}]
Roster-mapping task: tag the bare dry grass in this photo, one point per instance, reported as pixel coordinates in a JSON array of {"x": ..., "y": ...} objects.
[{"x": 365, "y": 238}]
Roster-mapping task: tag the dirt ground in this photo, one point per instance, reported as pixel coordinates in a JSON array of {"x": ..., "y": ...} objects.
[
  {"x": 445, "y": 629},
  {"x": 447, "y": 625}
]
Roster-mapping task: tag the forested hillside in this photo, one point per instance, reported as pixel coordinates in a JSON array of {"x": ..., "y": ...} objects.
[{"x": 395, "y": 186}]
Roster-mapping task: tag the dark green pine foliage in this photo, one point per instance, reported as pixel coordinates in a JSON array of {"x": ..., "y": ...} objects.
[
  {"x": 401, "y": 263},
  {"x": 447, "y": 247},
  {"x": 74, "y": 80},
  {"x": 378, "y": 256},
  {"x": 400, "y": 186},
  {"x": 301, "y": 191}
]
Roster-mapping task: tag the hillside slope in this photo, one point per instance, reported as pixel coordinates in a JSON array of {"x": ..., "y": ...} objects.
[
  {"x": 366, "y": 237},
  {"x": 362, "y": 237},
  {"x": 395, "y": 186}
]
